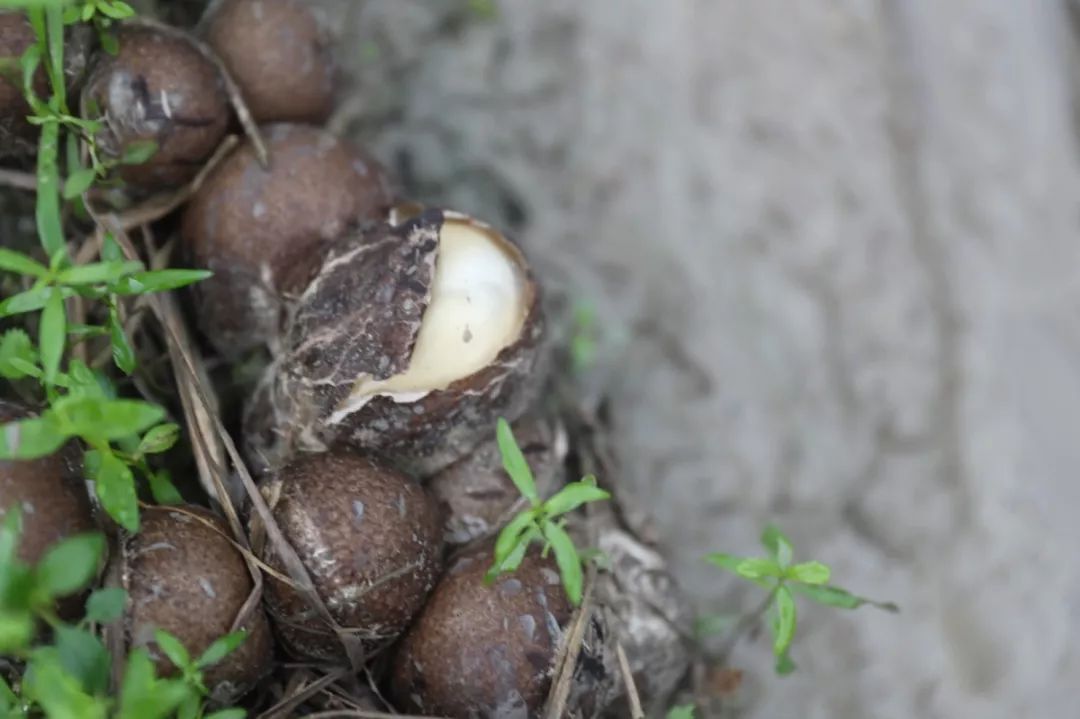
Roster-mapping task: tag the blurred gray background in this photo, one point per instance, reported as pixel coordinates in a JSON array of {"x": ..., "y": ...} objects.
[{"x": 834, "y": 244}]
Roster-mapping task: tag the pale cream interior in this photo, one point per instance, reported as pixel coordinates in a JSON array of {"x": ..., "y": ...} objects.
[{"x": 477, "y": 309}]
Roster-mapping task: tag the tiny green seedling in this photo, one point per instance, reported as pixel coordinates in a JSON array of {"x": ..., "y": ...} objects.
[
  {"x": 540, "y": 522},
  {"x": 685, "y": 711},
  {"x": 783, "y": 579}
]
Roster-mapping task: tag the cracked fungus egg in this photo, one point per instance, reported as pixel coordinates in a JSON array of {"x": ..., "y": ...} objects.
[
  {"x": 413, "y": 338},
  {"x": 184, "y": 576}
]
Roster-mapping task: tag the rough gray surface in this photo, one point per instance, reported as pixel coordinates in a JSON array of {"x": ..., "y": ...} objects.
[{"x": 838, "y": 241}]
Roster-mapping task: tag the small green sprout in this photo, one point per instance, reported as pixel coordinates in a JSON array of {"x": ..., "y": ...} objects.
[
  {"x": 782, "y": 578},
  {"x": 685, "y": 711},
  {"x": 540, "y": 522}
]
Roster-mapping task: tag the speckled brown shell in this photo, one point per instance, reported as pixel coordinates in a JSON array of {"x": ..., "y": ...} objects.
[
  {"x": 370, "y": 538},
  {"x": 483, "y": 651},
  {"x": 278, "y": 53},
  {"x": 263, "y": 231},
  {"x": 16, "y": 134},
  {"x": 360, "y": 317},
  {"x": 476, "y": 494},
  {"x": 51, "y": 492},
  {"x": 188, "y": 579},
  {"x": 159, "y": 87}
]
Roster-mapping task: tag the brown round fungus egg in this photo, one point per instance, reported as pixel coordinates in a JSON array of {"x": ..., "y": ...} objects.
[
  {"x": 16, "y": 133},
  {"x": 484, "y": 651},
  {"x": 50, "y": 492},
  {"x": 262, "y": 231},
  {"x": 371, "y": 541},
  {"x": 161, "y": 92},
  {"x": 183, "y": 575},
  {"x": 477, "y": 495},
  {"x": 278, "y": 53},
  {"x": 411, "y": 341}
]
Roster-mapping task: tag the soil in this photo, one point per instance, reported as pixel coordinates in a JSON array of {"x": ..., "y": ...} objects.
[{"x": 833, "y": 247}]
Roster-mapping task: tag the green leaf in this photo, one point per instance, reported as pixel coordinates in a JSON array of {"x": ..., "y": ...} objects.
[
  {"x": 20, "y": 264},
  {"x": 730, "y": 562},
  {"x": 573, "y": 496},
  {"x": 832, "y": 596},
  {"x": 109, "y": 419},
  {"x": 228, "y": 714},
  {"x": 31, "y": 300},
  {"x": 98, "y": 272},
  {"x": 109, "y": 43},
  {"x": 220, "y": 649},
  {"x": 784, "y": 665},
  {"x": 84, "y": 657},
  {"x": 8, "y": 700},
  {"x": 122, "y": 351},
  {"x": 777, "y": 545},
  {"x": 105, "y": 605},
  {"x": 52, "y": 336},
  {"x": 158, "y": 281},
  {"x": 190, "y": 707},
  {"x": 57, "y": 692},
  {"x": 159, "y": 439},
  {"x": 47, "y": 211},
  {"x": 173, "y": 649},
  {"x": 514, "y": 462},
  {"x": 70, "y": 565},
  {"x": 78, "y": 182},
  {"x": 115, "y": 487},
  {"x": 138, "y": 152},
  {"x": 566, "y": 557},
  {"x": 142, "y": 696},
  {"x": 784, "y": 628},
  {"x": 509, "y": 538},
  {"x": 809, "y": 573},
  {"x": 117, "y": 9},
  {"x": 16, "y": 354},
  {"x": 162, "y": 488},
  {"x": 30, "y": 438},
  {"x": 16, "y": 631},
  {"x": 757, "y": 568},
  {"x": 686, "y": 711}
]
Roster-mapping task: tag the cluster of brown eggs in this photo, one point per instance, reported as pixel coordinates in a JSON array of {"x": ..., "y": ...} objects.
[{"x": 397, "y": 335}]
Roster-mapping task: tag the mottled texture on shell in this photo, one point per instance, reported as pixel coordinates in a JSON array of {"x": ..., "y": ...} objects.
[
  {"x": 476, "y": 493},
  {"x": 188, "y": 579},
  {"x": 263, "y": 231},
  {"x": 279, "y": 54},
  {"x": 50, "y": 491},
  {"x": 16, "y": 134},
  {"x": 360, "y": 318},
  {"x": 369, "y": 537},
  {"x": 645, "y": 611},
  {"x": 158, "y": 88},
  {"x": 484, "y": 651}
]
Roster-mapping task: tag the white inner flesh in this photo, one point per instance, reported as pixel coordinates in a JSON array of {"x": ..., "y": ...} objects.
[{"x": 477, "y": 309}]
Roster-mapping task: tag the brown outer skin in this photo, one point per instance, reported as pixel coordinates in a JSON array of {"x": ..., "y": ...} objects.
[
  {"x": 262, "y": 232},
  {"x": 151, "y": 62},
  {"x": 476, "y": 492},
  {"x": 360, "y": 316},
  {"x": 483, "y": 651},
  {"x": 279, "y": 55},
  {"x": 51, "y": 492},
  {"x": 354, "y": 522},
  {"x": 16, "y": 134},
  {"x": 186, "y": 578}
]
